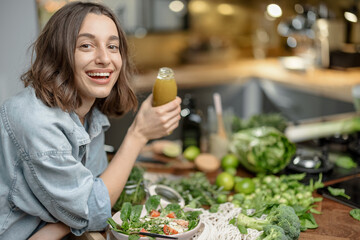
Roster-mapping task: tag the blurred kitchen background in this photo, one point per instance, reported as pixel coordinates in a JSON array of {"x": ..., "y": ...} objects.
[
  {"x": 175, "y": 32},
  {"x": 313, "y": 47}
]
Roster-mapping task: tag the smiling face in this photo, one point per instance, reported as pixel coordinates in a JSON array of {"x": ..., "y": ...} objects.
[{"x": 97, "y": 58}]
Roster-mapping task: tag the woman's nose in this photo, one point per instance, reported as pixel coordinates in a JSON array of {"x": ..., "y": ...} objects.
[{"x": 102, "y": 56}]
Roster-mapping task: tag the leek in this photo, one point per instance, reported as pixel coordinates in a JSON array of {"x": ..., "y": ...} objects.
[{"x": 322, "y": 129}]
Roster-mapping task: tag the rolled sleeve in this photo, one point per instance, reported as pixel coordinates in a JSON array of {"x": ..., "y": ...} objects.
[{"x": 99, "y": 208}]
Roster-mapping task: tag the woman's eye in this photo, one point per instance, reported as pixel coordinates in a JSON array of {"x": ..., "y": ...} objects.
[
  {"x": 85, "y": 46},
  {"x": 113, "y": 47}
]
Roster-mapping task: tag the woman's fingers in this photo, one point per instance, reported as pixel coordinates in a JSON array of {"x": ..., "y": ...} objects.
[
  {"x": 169, "y": 107},
  {"x": 155, "y": 122}
]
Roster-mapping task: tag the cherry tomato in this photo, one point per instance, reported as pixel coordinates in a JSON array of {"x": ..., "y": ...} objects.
[
  {"x": 171, "y": 215},
  {"x": 169, "y": 230},
  {"x": 154, "y": 213}
]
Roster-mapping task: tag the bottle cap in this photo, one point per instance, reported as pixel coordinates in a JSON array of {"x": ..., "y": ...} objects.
[{"x": 165, "y": 73}]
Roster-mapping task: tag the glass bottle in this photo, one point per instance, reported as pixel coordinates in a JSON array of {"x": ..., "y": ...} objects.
[
  {"x": 191, "y": 125},
  {"x": 165, "y": 88}
]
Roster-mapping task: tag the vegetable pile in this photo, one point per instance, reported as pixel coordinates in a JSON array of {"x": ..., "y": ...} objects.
[
  {"x": 166, "y": 221},
  {"x": 196, "y": 190},
  {"x": 275, "y": 120},
  {"x": 281, "y": 223},
  {"x": 271, "y": 191},
  {"x": 262, "y": 150}
]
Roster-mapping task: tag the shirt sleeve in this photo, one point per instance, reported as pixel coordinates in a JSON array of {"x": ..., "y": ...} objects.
[
  {"x": 69, "y": 191},
  {"x": 99, "y": 208}
]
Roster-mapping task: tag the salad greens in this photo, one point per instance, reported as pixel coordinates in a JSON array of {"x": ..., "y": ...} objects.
[
  {"x": 262, "y": 149},
  {"x": 166, "y": 221},
  {"x": 338, "y": 192},
  {"x": 345, "y": 162},
  {"x": 355, "y": 213},
  {"x": 196, "y": 190}
]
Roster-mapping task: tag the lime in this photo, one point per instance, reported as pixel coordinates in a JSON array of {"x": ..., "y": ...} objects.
[
  {"x": 171, "y": 150},
  {"x": 229, "y": 161},
  {"x": 221, "y": 198},
  {"x": 238, "y": 179},
  {"x": 191, "y": 152},
  {"x": 225, "y": 180},
  {"x": 231, "y": 170},
  {"x": 245, "y": 186}
]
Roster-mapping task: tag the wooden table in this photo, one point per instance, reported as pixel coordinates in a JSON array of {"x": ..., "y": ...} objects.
[{"x": 335, "y": 222}]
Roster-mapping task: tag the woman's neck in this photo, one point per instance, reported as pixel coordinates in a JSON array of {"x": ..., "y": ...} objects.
[{"x": 83, "y": 110}]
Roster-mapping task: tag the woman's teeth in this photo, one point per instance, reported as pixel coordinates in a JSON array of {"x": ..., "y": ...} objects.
[{"x": 99, "y": 75}]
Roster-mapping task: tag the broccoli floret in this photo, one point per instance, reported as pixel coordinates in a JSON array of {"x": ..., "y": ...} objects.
[
  {"x": 273, "y": 232},
  {"x": 282, "y": 216}
]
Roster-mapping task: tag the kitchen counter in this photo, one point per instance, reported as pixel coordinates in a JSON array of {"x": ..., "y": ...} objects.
[
  {"x": 336, "y": 84},
  {"x": 335, "y": 222}
]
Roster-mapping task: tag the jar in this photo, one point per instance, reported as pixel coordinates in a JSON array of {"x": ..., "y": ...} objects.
[{"x": 133, "y": 192}]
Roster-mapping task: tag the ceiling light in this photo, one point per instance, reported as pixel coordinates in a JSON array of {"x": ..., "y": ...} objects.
[
  {"x": 274, "y": 10},
  {"x": 176, "y": 6},
  {"x": 351, "y": 17},
  {"x": 225, "y": 9}
]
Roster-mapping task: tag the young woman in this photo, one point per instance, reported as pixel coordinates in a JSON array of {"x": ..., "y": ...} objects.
[{"x": 54, "y": 170}]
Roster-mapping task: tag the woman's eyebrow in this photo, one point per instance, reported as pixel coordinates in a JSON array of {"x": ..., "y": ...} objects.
[
  {"x": 113, "y": 37},
  {"x": 89, "y": 35}
]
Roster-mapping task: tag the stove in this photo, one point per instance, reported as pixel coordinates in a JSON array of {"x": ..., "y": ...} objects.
[{"x": 319, "y": 156}]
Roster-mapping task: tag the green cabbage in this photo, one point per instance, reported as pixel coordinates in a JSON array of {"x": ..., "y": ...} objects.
[{"x": 262, "y": 149}]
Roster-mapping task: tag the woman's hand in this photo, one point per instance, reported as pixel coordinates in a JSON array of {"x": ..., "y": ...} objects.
[
  {"x": 150, "y": 123},
  {"x": 155, "y": 122}
]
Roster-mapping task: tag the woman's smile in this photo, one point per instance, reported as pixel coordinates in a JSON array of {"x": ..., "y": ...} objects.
[{"x": 100, "y": 76}]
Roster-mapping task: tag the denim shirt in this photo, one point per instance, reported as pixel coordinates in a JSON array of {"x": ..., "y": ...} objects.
[{"x": 49, "y": 168}]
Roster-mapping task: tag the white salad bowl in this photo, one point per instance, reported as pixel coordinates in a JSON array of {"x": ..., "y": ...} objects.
[{"x": 181, "y": 236}]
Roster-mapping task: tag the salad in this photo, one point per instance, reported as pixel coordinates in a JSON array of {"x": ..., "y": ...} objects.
[{"x": 153, "y": 218}]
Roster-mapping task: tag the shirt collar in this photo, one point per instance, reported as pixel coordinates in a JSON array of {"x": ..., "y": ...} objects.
[{"x": 97, "y": 122}]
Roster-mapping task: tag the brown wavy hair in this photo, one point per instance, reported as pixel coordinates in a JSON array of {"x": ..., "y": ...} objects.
[{"x": 52, "y": 72}]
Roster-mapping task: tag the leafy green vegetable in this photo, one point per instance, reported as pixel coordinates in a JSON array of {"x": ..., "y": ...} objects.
[
  {"x": 355, "y": 213},
  {"x": 133, "y": 191},
  {"x": 307, "y": 221},
  {"x": 132, "y": 224},
  {"x": 135, "y": 213},
  {"x": 172, "y": 207},
  {"x": 345, "y": 162},
  {"x": 270, "y": 120},
  {"x": 338, "y": 192},
  {"x": 125, "y": 211},
  {"x": 273, "y": 190},
  {"x": 195, "y": 189},
  {"x": 152, "y": 203},
  {"x": 262, "y": 150},
  {"x": 281, "y": 216}
]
